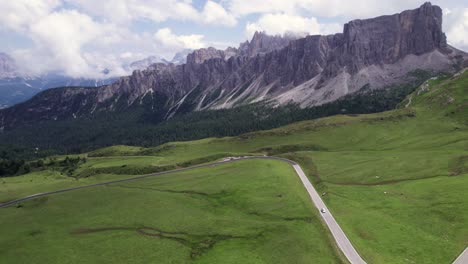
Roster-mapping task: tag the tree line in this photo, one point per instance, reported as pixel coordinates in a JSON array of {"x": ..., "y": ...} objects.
[{"x": 137, "y": 128}]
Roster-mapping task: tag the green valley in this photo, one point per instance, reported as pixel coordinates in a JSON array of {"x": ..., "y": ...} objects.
[{"x": 395, "y": 181}]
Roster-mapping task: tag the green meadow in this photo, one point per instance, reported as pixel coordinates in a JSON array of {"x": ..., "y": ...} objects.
[
  {"x": 395, "y": 181},
  {"x": 243, "y": 212}
]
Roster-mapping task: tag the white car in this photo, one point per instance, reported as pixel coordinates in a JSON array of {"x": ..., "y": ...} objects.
[{"x": 323, "y": 210}]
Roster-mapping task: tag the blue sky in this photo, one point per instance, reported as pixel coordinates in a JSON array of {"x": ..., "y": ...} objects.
[{"x": 82, "y": 37}]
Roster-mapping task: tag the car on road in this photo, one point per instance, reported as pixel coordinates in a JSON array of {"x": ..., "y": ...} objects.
[{"x": 323, "y": 210}]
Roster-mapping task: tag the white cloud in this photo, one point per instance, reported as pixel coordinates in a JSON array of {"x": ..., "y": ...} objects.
[
  {"x": 19, "y": 14},
  {"x": 323, "y": 8},
  {"x": 214, "y": 13},
  {"x": 126, "y": 11},
  {"x": 127, "y": 55},
  {"x": 456, "y": 27},
  {"x": 60, "y": 39},
  {"x": 79, "y": 45},
  {"x": 167, "y": 39},
  {"x": 275, "y": 24}
]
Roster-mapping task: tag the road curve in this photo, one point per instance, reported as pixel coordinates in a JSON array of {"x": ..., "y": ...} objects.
[
  {"x": 340, "y": 238},
  {"x": 463, "y": 258}
]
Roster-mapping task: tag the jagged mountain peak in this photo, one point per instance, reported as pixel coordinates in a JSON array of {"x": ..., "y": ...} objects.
[
  {"x": 427, "y": 4},
  {"x": 262, "y": 43}
]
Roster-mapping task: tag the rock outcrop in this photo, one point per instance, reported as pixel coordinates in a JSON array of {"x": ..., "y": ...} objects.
[{"x": 388, "y": 39}]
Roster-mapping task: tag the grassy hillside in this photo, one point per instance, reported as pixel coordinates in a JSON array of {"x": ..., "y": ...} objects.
[{"x": 396, "y": 181}]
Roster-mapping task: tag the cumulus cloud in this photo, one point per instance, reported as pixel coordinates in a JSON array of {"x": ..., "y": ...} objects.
[
  {"x": 167, "y": 39},
  {"x": 323, "y": 8},
  {"x": 74, "y": 36},
  {"x": 59, "y": 41},
  {"x": 78, "y": 44},
  {"x": 275, "y": 24},
  {"x": 125, "y": 11},
  {"x": 214, "y": 13},
  {"x": 20, "y": 14},
  {"x": 456, "y": 27}
]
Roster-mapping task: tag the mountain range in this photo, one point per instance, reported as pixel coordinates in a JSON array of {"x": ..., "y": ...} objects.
[
  {"x": 369, "y": 54},
  {"x": 16, "y": 87}
]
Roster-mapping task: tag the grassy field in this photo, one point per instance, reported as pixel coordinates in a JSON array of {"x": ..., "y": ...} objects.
[
  {"x": 421, "y": 221},
  {"x": 245, "y": 212},
  {"x": 395, "y": 181},
  {"x": 415, "y": 211}
]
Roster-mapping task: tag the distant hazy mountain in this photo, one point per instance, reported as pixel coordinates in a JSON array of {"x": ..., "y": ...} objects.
[
  {"x": 146, "y": 62},
  {"x": 369, "y": 54},
  {"x": 16, "y": 87},
  {"x": 19, "y": 89},
  {"x": 179, "y": 58}
]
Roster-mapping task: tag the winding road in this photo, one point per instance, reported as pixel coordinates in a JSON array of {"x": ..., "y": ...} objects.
[
  {"x": 341, "y": 240},
  {"x": 340, "y": 237}
]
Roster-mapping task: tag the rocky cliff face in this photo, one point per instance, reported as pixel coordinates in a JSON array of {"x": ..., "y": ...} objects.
[
  {"x": 388, "y": 39},
  {"x": 373, "y": 53}
]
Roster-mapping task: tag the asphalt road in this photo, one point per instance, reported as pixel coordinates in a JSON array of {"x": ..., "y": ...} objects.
[
  {"x": 341, "y": 240},
  {"x": 463, "y": 258}
]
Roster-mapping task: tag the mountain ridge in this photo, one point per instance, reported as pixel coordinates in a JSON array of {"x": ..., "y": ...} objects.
[
  {"x": 376, "y": 53},
  {"x": 17, "y": 86}
]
